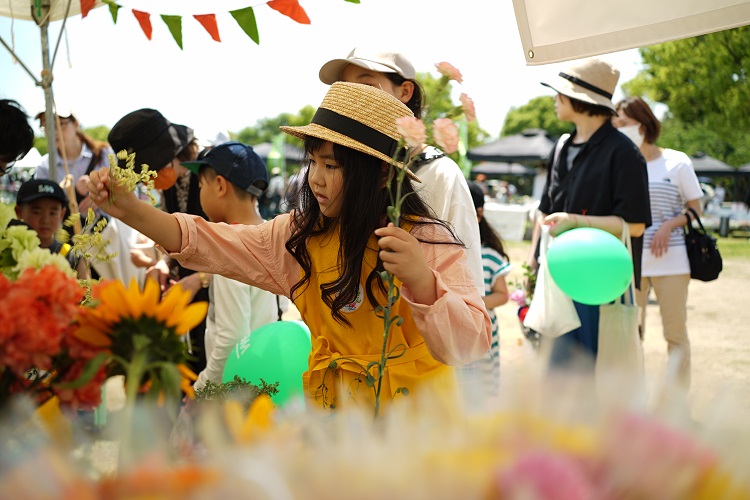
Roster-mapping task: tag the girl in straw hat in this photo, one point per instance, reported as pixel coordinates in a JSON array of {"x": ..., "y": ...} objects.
[
  {"x": 596, "y": 177},
  {"x": 327, "y": 256}
]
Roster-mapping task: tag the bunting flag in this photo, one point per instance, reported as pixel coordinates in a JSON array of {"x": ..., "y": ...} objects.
[
  {"x": 208, "y": 21},
  {"x": 86, "y": 6},
  {"x": 114, "y": 9},
  {"x": 290, "y": 8},
  {"x": 245, "y": 18},
  {"x": 144, "y": 19},
  {"x": 174, "y": 23}
]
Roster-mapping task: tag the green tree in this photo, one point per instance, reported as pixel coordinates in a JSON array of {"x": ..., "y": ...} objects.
[
  {"x": 539, "y": 112},
  {"x": 704, "y": 83},
  {"x": 267, "y": 128}
]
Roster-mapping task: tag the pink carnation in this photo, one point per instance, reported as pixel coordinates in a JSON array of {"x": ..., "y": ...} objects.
[
  {"x": 413, "y": 130},
  {"x": 445, "y": 133},
  {"x": 545, "y": 475},
  {"x": 469, "y": 111},
  {"x": 450, "y": 71}
]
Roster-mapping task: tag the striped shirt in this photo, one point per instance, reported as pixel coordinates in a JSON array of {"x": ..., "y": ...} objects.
[
  {"x": 480, "y": 380},
  {"x": 671, "y": 183}
]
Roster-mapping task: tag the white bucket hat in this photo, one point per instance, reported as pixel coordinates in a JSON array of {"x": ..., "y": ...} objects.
[
  {"x": 591, "y": 80},
  {"x": 382, "y": 62}
]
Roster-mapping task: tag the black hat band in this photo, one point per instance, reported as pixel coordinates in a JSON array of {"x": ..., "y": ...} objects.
[
  {"x": 586, "y": 85},
  {"x": 358, "y": 131}
]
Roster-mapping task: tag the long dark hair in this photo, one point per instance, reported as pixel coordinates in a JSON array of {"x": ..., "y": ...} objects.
[
  {"x": 489, "y": 238},
  {"x": 364, "y": 207}
]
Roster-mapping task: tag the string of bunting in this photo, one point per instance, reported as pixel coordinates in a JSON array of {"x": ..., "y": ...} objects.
[{"x": 244, "y": 17}]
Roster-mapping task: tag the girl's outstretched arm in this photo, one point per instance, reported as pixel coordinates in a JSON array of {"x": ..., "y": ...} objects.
[{"x": 115, "y": 200}]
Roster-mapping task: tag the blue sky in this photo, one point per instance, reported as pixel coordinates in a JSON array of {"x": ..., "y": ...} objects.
[{"x": 104, "y": 71}]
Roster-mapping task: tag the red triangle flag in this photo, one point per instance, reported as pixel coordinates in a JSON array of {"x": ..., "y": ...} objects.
[
  {"x": 290, "y": 8},
  {"x": 86, "y": 6},
  {"x": 209, "y": 22},
  {"x": 144, "y": 19}
]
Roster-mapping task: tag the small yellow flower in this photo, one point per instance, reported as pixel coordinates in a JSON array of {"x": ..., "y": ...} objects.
[{"x": 259, "y": 418}]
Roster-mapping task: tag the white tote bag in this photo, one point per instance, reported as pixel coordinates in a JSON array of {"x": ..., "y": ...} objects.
[
  {"x": 551, "y": 312},
  {"x": 620, "y": 349}
]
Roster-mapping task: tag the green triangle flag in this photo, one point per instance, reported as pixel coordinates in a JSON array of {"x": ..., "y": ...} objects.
[
  {"x": 246, "y": 19},
  {"x": 174, "y": 23},
  {"x": 113, "y": 9}
]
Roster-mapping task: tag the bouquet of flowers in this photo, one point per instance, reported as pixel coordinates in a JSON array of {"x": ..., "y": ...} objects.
[{"x": 39, "y": 355}]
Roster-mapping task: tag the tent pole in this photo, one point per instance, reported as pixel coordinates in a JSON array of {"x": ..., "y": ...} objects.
[
  {"x": 5, "y": 44},
  {"x": 49, "y": 115}
]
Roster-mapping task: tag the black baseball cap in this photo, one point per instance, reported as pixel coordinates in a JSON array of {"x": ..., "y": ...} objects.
[
  {"x": 35, "y": 189},
  {"x": 238, "y": 163}
]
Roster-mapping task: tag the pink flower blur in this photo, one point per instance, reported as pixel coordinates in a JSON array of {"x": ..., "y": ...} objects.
[
  {"x": 545, "y": 475},
  {"x": 445, "y": 134},
  {"x": 450, "y": 71},
  {"x": 413, "y": 130},
  {"x": 469, "y": 111},
  {"x": 519, "y": 297}
]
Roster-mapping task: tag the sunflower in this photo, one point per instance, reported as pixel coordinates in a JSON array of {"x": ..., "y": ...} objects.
[{"x": 143, "y": 332}]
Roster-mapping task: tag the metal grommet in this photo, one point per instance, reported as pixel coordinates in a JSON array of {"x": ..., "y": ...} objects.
[{"x": 531, "y": 54}]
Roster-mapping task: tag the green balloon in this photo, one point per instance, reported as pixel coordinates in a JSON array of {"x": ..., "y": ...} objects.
[
  {"x": 590, "y": 265},
  {"x": 276, "y": 352}
]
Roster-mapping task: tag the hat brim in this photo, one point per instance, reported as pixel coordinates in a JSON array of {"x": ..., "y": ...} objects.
[
  {"x": 330, "y": 72},
  {"x": 194, "y": 166},
  {"x": 570, "y": 89},
  {"x": 315, "y": 130}
]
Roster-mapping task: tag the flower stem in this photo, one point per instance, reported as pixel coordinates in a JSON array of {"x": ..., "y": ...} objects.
[{"x": 133, "y": 376}]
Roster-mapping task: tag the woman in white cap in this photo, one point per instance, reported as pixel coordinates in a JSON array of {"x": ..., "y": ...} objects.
[
  {"x": 328, "y": 257},
  {"x": 673, "y": 187},
  {"x": 595, "y": 178},
  {"x": 443, "y": 187}
]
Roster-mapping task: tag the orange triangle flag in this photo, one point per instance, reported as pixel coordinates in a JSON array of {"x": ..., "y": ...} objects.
[
  {"x": 144, "y": 19},
  {"x": 290, "y": 8},
  {"x": 86, "y": 6},
  {"x": 209, "y": 22}
]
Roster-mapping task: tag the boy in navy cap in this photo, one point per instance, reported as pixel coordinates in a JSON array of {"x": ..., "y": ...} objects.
[
  {"x": 43, "y": 205},
  {"x": 231, "y": 178}
]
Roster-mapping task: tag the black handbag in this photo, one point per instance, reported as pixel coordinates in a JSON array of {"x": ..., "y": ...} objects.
[{"x": 702, "y": 252}]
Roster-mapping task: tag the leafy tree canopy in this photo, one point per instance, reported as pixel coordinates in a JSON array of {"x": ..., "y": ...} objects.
[
  {"x": 539, "y": 112},
  {"x": 703, "y": 81}
]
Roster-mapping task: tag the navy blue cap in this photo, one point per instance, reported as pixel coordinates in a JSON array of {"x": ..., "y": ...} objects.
[
  {"x": 35, "y": 189},
  {"x": 238, "y": 164}
]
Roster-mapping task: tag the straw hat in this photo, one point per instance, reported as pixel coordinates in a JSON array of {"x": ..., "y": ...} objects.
[
  {"x": 359, "y": 117},
  {"x": 591, "y": 80}
]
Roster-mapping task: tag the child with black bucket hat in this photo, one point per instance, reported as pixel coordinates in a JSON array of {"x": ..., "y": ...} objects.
[
  {"x": 43, "y": 205},
  {"x": 163, "y": 146},
  {"x": 232, "y": 177},
  {"x": 328, "y": 257}
]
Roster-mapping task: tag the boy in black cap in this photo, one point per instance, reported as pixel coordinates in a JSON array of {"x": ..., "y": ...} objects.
[
  {"x": 42, "y": 205},
  {"x": 163, "y": 146},
  {"x": 231, "y": 178}
]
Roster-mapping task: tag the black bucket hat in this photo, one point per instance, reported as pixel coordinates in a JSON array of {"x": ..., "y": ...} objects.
[{"x": 155, "y": 140}]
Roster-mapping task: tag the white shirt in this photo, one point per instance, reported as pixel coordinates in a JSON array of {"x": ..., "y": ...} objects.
[
  {"x": 671, "y": 183},
  {"x": 446, "y": 192},
  {"x": 235, "y": 309}
]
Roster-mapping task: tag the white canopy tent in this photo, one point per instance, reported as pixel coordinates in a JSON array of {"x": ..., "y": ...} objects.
[
  {"x": 560, "y": 30},
  {"x": 43, "y": 12}
]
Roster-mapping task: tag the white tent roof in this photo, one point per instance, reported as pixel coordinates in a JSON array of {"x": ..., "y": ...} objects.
[
  {"x": 21, "y": 9},
  {"x": 32, "y": 159},
  {"x": 559, "y": 30}
]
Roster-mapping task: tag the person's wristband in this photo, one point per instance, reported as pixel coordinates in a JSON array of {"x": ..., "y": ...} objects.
[{"x": 205, "y": 282}]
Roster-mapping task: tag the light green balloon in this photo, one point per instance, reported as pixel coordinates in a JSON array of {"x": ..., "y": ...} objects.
[
  {"x": 276, "y": 352},
  {"x": 590, "y": 265}
]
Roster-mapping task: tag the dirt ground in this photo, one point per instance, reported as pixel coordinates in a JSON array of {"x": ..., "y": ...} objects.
[{"x": 718, "y": 327}]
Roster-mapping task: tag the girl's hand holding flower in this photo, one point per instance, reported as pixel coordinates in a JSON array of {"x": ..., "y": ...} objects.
[
  {"x": 402, "y": 255},
  {"x": 115, "y": 199}
]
